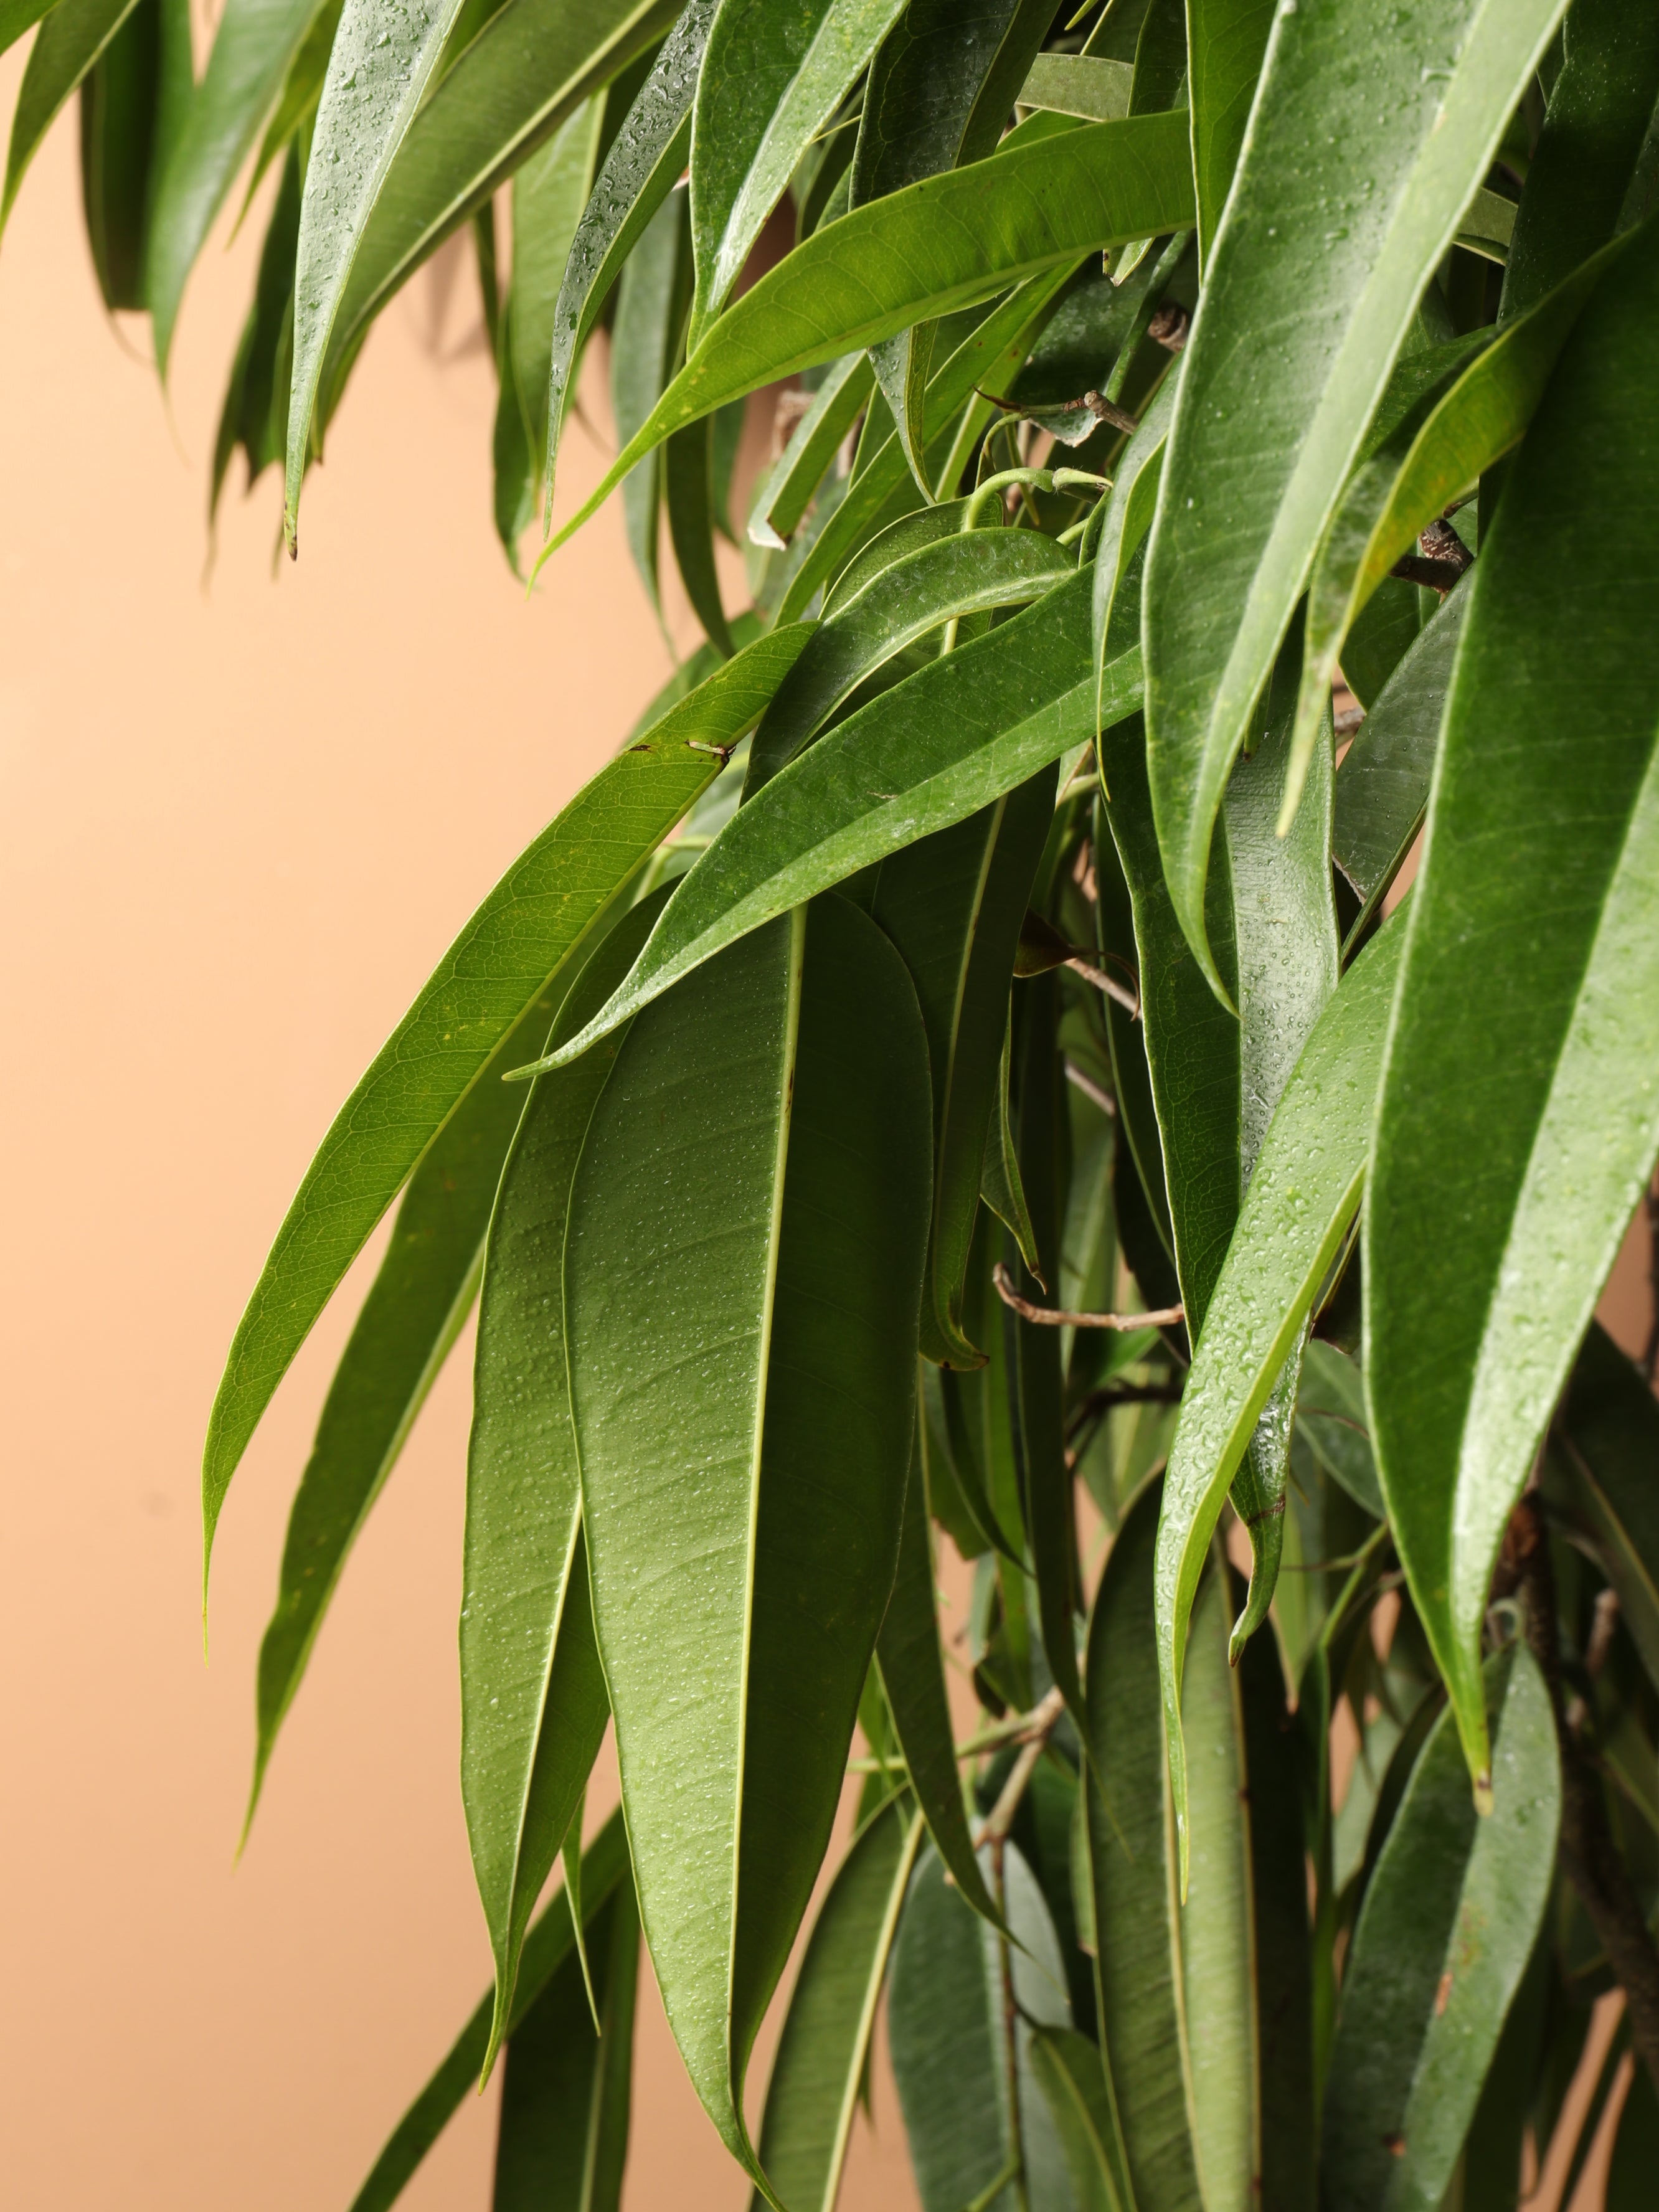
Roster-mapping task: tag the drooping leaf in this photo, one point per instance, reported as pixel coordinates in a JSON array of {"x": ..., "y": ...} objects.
[
  {"x": 1598, "y": 1475},
  {"x": 296, "y": 104},
  {"x": 1301, "y": 1199},
  {"x": 387, "y": 183},
  {"x": 1330, "y": 1412},
  {"x": 688, "y": 467},
  {"x": 650, "y": 310},
  {"x": 1225, "y": 42},
  {"x": 751, "y": 1207},
  {"x": 772, "y": 77},
  {"x": 549, "y": 193},
  {"x": 549, "y": 1951},
  {"x": 1539, "y": 1018},
  {"x": 562, "y": 2138},
  {"x": 1383, "y": 785},
  {"x": 533, "y": 1704},
  {"x": 1444, "y": 1939},
  {"x": 1129, "y": 506},
  {"x": 18, "y": 16},
  {"x": 252, "y": 51},
  {"x": 958, "y": 1995},
  {"x": 72, "y": 38},
  {"x": 132, "y": 105},
  {"x": 529, "y": 926},
  {"x": 1073, "y": 2083},
  {"x": 1410, "y": 477},
  {"x": 645, "y": 158},
  {"x": 788, "y": 488},
  {"x": 943, "y": 244},
  {"x": 913, "y": 1677},
  {"x": 1601, "y": 105},
  {"x": 1000, "y": 1184},
  {"x": 1329, "y": 242},
  {"x": 824, "y": 2048},
  {"x": 947, "y": 741}
]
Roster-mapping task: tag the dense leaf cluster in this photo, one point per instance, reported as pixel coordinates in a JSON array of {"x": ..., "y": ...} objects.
[{"x": 970, "y": 1057}]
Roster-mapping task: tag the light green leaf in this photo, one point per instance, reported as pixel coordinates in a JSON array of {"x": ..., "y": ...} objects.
[
  {"x": 73, "y": 35},
  {"x": 1301, "y": 1200},
  {"x": 1598, "y": 1476},
  {"x": 1443, "y": 1938},
  {"x": 549, "y": 1951},
  {"x": 549, "y": 193},
  {"x": 774, "y": 73},
  {"x": 386, "y": 185},
  {"x": 1225, "y": 42},
  {"x": 824, "y": 2048},
  {"x": 636, "y": 176},
  {"x": 303, "y": 87},
  {"x": 1079, "y": 84},
  {"x": 1383, "y": 785},
  {"x": 533, "y": 1704},
  {"x": 252, "y": 51},
  {"x": 786, "y": 493},
  {"x": 949, "y": 2019},
  {"x": 1129, "y": 509},
  {"x": 913, "y": 1678},
  {"x": 943, "y": 244},
  {"x": 1601, "y": 106},
  {"x": 1539, "y": 1018},
  {"x": 1414, "y": 474},
  {"x": 562, "y": 2138},
  {"x": 650, "y": 309},
  {"x": 742, "y": 1275},
  {"x": 1328, "y": 240},
  {"x": 947, "y": 741},
  {"x": 529, "y": 926}
]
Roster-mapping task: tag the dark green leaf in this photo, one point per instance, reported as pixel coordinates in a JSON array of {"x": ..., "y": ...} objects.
[
  {"x": 530, "y": 926},
  {"x": 1598, "y": 1474},
  {"x": 1442, "y": 1941},
  {"x": 1317, "y": 275},
  {"x": 1289, "y": 2147},
  {"x": 1068, "y": 2070},
  {"x": 1226, "y": 40},
  {"x": 1538, "y": 1018},
  {"x": 688, "y": 462},
  {"x": 17, "y": 16},
  {"x": 1636, "y": 2148},
  {"x": 549, "y": 193},
  {"x": 1330, "y": 1411},
  {"x": 73, "y": 35},
  {"x": 743, "y": 1273},
  {"x": 650, "y": 309}
]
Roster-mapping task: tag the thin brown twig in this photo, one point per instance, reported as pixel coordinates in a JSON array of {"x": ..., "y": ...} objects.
[
  {"x": 1129, "y": 1000},
  {"x": 1061, "y": 1317},
  {"x": 1040, "y": 1723},
  {"x": 1090, "y": 1089}
]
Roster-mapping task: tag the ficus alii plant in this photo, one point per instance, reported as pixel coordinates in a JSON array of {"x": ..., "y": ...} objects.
[{"x": 973, "y": 1065}]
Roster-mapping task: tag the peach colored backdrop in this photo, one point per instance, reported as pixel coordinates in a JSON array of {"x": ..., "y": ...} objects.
[{"x": 241, "y": 820}]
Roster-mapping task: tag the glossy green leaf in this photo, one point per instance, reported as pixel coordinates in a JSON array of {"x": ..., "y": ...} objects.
[
  {"x": 132, "y": 103},
  {"x": 258, "y": 382},
  {"x": 943, "y": 244},
  {"x": 1598, "y": 1477},
  {"x": 783, "y": 497},
  {"x": 1079, "y": 84},
  {"x": 1297, "y": 1210},
  {"x": 950, "y": 739},
  {"x": 252, "y": 51},
  {"x": 650, "y": 310},
  {"x": 533, "y": 1704},
  {"x": 1129, "y": 509},
  {"x": 774, "y": 73},
  {"x": 1073, "y": 2083},
  {"x": 948, "y": 2020},
  {"x": 1327, "y": 242},
  {"x": 549, "y": 193},
  {"x": 967, "y": 574},
  {"x": 296, "y": 104},
  {"x": 913, "y": 1677},
  {"x": 824, "y": 2048},
  {"x": 1539, "y": 1018},
  {"x": 1331, "y": 1413},
  {"x": 562, "y": 2138},
  {"x": 1225, "y": 42},
  {"x": 72, "y": 38},
  {"x": 549, "y": 1951},
  {"x": 743, "y": 1276},
  {"x": 645, "y": 158},
  {"x": 387, "y": 183},
  {"x": 1601, "y": 105},
  {"x": 1383, "y": 785},
  {"x": 529, "y": 926},
  {"x": 1406, "y": 483},
  {"x": 1444, "y": 1939},
  {"x": 1000, "y": 1184}
]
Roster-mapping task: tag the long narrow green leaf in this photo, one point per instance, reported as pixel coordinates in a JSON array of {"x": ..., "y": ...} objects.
[
  {"x": 1601, "y": 106},
  {"x": 1540, "y": 1017},
  {"x": 1329, "y": 238},
  {"x": 533, "y": 1705},
  {"x": 1079, "y": 84},
  {"x": 1443, "y": 1938},
  {"x": 650, "y": 309},
  {"x": 772, "y": 77},
  {"x": 1414, "y": 474},
  {"x": 1129, "y": 509},
  {"x": 1225, "y": 42},
  {"x": 549, "y": 1948},
  {"x": 549, "y": 194},
  {"x": 387, "y": 184},
  {"x": 70, "y": 38},
  {"x": 252, "y": 51},
  {"x": 562, "y": 2137},
  {"x": 531, "y": 924},
  {"x": 786, "y": 493},
  {"x": 1068, "y": 2067},
  {"x": 751, "y": 1208},
  {"x": 950, "y": 739},
  {"x": 943, "y": 244},
  {"x": 645, "y": 158},
  {"x": 1598, "y": 1474},
  {"x": 824, "y": 2047},
  {"x": 913, "y": 1678},
  {"x": 688, "y": 462},
  {"x": 17, "y": 16}
]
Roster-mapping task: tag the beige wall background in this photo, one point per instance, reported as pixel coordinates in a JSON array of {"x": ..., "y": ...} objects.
[{"x": 240, "y": 819}]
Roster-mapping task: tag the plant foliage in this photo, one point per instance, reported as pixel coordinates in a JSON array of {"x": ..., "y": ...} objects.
[{"x": 975, "y": 1066}]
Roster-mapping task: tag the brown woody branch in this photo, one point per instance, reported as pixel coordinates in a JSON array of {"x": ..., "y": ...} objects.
[{"x": 1059, "y": 1317}]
